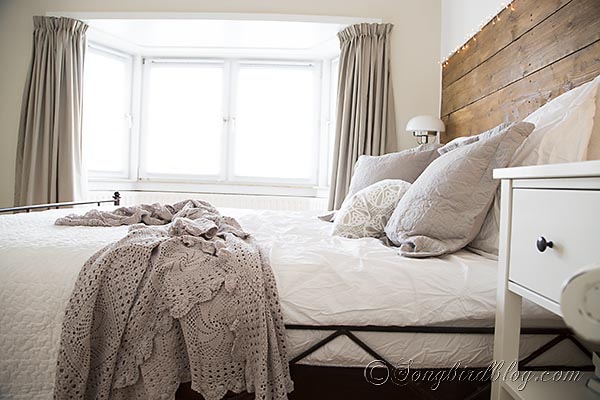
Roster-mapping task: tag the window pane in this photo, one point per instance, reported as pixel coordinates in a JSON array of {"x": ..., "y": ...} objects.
[
  {"x": 184, "y": 119},
  {"x": 275, "y": 122},
  {"x": 106, "y": 107}
]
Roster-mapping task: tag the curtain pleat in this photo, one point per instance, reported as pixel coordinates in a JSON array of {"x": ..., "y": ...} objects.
[
  {"x": 48, "y": 167},
  {"x": 365, "y": 108}
]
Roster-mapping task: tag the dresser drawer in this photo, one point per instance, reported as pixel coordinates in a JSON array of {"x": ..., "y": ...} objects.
[{"x": 570, "y": 219}]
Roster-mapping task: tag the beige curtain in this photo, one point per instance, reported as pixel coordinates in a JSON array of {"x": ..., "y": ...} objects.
[
  {"x": 365, "y": 109},
  {"x": 49, "y": 150}
]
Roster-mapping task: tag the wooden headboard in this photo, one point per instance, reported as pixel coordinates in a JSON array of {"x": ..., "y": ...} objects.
[{"x": 530, "y": 53}]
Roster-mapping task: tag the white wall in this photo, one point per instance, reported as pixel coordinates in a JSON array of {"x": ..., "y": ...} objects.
[
  {"x": 416, "y": 72},
  {"x": 462, "y": 18}
]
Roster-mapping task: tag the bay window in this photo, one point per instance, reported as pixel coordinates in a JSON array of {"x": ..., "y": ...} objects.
[{"x": 212, "y": 123}]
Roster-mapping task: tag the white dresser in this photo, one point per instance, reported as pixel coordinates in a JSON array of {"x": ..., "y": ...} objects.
[{"x": 549, "y": 229}]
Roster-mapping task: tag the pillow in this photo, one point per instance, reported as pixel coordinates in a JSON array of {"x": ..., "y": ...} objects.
[
  {"x": 567, "y": 129},
  {"x": 444, "y": 209},
  {"x": 466, "y": 140},
  {"x": 366, "y": 213},
  {"x": 486, "y": 241},
  {"x": 406, "y": 165},
  {"x": 456, "y": 143},
  {"x": 563, "y": 128},
  {"x": 594, "y": 145}
]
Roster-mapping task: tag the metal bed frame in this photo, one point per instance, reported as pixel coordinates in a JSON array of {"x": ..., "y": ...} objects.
[
  {"x": 561, "y": 334},
  {"x": 347, "y": 330},
  {"x": 116, "y": 200}
]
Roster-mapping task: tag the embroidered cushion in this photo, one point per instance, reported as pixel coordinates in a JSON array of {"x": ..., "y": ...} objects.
[{"x": 366, "y": 213}]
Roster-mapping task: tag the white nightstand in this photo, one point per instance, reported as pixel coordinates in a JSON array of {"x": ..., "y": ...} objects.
[{"x": 549, "y": 229}]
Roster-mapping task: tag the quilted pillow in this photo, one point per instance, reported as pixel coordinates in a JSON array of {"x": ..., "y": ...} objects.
[
  {"x": 406, "y": 165},
  {"x": 456, "y": 143},
  {"x": 445, "y": 207},
  {"x": 366, "y": 213}
]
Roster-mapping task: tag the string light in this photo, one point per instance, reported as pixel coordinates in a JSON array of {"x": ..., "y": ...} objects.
[{"x": 493, "y": 18}]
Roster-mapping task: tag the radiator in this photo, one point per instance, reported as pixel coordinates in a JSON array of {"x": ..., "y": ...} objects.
[{"x": 218, "y": 200}]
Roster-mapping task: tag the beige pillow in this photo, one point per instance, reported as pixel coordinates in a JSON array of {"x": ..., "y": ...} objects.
[
  {"x": 485, "y": 242},
  {"x": 445, "y": 207},
  {"x": 456, "y": 143},
  {"x": 366, "y": 213},
  {"x": 406, "y": 165}
]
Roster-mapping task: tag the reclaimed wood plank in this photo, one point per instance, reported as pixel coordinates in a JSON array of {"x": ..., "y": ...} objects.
[
  {"x": 495, "y": 36},
  {"x": 516, "y": 101},
  {"x": 570, "y": 29}
]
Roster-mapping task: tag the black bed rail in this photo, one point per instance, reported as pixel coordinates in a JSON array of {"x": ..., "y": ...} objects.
[
  {"x": 474, "y": 330},
  {"x": 347, "y": 330},
  {"x": 115, "y": 200},
  {"x": 560, "y": 334}
]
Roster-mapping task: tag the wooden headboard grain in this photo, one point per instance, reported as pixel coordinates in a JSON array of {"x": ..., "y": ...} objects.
[{"x": 527, "y": 55}]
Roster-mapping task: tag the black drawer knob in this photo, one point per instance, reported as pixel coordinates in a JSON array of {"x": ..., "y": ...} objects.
[{"x": 543, "y": 244}]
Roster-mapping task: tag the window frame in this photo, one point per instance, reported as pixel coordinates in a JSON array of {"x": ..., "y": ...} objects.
[
  {"x": 143, "y": 173},
  {"x": 129, "y": 101},
  {"x": 138, "y": 178},
  {"x": 316, "y": 130}
]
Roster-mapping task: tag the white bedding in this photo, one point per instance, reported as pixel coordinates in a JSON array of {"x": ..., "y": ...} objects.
[{"x": 321, "y": 280}]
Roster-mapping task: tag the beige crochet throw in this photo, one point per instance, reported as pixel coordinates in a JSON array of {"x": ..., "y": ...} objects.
[{"x": 193, "y": 300}]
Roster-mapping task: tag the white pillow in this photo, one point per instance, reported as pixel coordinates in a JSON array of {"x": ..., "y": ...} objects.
[
  {"x": 567, "y": 129},
  {"x": 594, "y": 145},
  {"x": 563, "y": 128},
  {"x": 366, "y": 213}
]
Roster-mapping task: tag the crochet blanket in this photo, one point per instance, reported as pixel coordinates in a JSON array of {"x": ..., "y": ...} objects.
[{"x": 194, "y": 300}]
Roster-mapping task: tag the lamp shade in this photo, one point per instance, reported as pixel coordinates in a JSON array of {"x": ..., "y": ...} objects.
[{"x": 427, "y": 123}]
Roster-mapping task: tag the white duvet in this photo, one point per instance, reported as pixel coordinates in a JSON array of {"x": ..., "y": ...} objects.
[{"x": 321, "y": 280}]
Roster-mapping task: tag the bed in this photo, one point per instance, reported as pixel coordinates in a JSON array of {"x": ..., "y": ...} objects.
[
  {"x": 324, "y": 281},
  {"x": 434, "y": 311}
]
